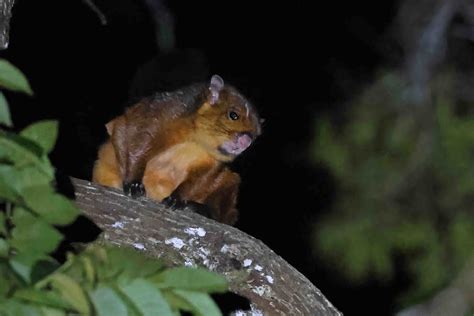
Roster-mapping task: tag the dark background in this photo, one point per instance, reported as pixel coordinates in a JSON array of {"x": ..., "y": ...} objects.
[{"x": 294, "y": 60}]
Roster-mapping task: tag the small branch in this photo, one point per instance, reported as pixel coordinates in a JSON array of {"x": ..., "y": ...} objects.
[
  {"x": 181, "y": 237},
  {"x": 424, "y": 27},
  {"x": 97, "y": 11},
  {"x": 5, "y": 15}
]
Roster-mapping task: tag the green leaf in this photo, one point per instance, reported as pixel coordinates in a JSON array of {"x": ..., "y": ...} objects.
[
  {"x": 24, "y": 263},
  {"x": 43, "y": 133},
  {"x": 195, "y": 279},
  {"x": 42, "y": 298},
  {"x": 8, "y": 279},
  {"x": 3, "y": 224},
  {"x": 52, "y": 207},
  {"x": 3, "y": 248},
  {"x": 71, "y": 291},
  {"x": 30, "y": 176},
  {"x": 5, "y": 285},
  {"x": 33, "y": 234},
  {"x": 89, "y": 270},
  {"x": 107, "y": 302},
  {"x": 14, "y": 180},
  {"x": 5, "y": 118},
  {"x": 176, "y": 302},
  {"x": 201, "y": 303},
  {"x": 12, "y": 78},
  {"x": 8, "y": 176},
  {"x": 13, "y": 307},
  {"x": 30, "y": 267},
  {"x": 49, "y": 311},
  {"x": 146, "y": 298},
  {"x": 127, "y": 264},
  {"x": 43, "y": 268},
  {"x": 22, "y": 152}
]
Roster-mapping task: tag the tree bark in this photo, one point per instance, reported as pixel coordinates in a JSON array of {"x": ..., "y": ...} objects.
[
  {"x": 181, "y": 237},
  {"x": 5, "y": 15}
]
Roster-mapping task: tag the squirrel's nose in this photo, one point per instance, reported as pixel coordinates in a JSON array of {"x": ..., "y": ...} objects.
[{"x": 244, "y": 140}]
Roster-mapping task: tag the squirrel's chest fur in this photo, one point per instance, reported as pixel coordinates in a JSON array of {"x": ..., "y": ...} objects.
[{"x": 167, "y": 170}]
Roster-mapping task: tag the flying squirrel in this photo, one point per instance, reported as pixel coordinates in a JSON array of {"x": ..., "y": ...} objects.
[{"x": 176, "y": 146}]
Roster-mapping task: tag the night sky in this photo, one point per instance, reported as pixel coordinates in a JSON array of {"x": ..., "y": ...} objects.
[{"x": 294, "y": 60}]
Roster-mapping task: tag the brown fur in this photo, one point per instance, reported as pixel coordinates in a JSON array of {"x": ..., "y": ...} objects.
[{"x": 171, "y": 144}]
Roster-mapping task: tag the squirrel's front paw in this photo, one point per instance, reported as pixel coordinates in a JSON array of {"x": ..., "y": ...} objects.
[{"x": 134, "y": 189}]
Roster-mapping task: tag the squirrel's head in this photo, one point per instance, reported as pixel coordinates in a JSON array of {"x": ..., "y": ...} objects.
[{"x": 227, "y": 124}]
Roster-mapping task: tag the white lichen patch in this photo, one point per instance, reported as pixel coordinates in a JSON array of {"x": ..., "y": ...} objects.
[
  {"x": 195, "y": 231},
  {"x": 258, "y": 267},
  {"x": 153, "y": 240},
  {"x": 204, "y": 251},
  {"x": 247, "y": 263},
  {"x": 225, "y": 249},
  {"x": 204, "y": 255},
  {"x": 255, "y": 310},
  {"x": 118, "y": 225},
  {"x": 260, "y": 290},
  {"x": 188, "y": 263},
  {"x": 175, "y": 242},
  {"x": 138, "y": 246},
  {"x": 231, "y": 249},
  {"x": 269, "y": 279}
]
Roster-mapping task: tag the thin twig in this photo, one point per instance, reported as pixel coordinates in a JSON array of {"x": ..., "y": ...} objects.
[{"x": 97, "y": 11}]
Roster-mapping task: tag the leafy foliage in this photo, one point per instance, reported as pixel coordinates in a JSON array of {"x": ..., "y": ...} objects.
[
  {"x": 406, "y": 183},
  {"x": 12, "y": 78},
  {"x": 97, "y": 281}
]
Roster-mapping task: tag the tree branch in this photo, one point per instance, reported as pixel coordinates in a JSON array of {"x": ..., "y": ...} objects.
[
  {"x": 424, "y": 28},
  {"x": 5, "y": 15},
  {"x": 181, "y": 237}
]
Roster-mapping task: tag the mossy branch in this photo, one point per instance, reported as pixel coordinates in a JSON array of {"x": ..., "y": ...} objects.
[{"x": 181, "y": 237}]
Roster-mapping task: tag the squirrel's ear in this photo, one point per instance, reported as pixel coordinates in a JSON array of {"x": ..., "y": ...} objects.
[
  {"x": 215, "y": 87},
  {"x": 110, "y": 127}
]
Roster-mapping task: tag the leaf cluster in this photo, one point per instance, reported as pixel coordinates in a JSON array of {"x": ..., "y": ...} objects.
[{"x": 405, "y": 187}]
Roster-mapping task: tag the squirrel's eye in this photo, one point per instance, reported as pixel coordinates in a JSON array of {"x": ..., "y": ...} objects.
[{"x": 233, "y": 116}]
